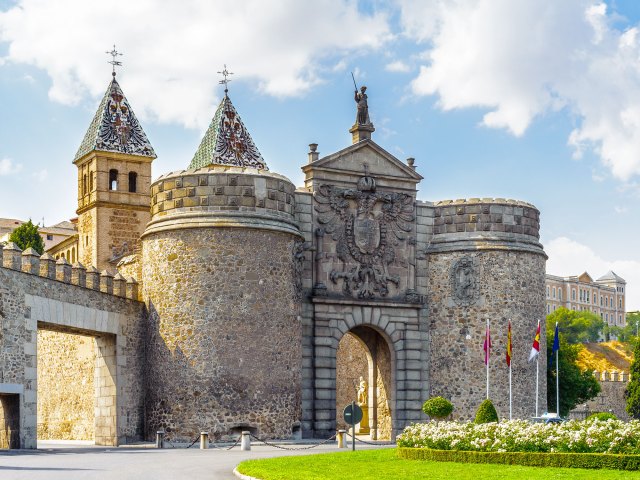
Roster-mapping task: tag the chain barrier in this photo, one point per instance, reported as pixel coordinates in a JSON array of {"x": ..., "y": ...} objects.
[
  {"x": 211, "y": 444},
  {"x": 333, "y": 437},
  {"x": 370, "y": 443}
]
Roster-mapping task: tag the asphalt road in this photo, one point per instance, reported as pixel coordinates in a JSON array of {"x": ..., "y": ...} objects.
[{"x": 53, "y": 461}]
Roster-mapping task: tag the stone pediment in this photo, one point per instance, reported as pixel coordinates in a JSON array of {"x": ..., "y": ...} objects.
[
  {"x": 585, "y": 278},
  {"x": 348, "y": 164}
]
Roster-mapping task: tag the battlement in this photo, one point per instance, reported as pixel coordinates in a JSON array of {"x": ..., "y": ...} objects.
[
  {"x": 46, "y": 266},
  {"x": 222, "y": 196},
  {"x": 612, "y": 376},
  {"x": 486, "y": 215}
]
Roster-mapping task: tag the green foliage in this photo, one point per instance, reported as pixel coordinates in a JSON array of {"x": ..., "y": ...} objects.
[
  {"x": 486, "y": 412},
  {"x": 567, "y": 460},
  {"x": 602, "y": 416},
  {"x": 577, "y": 327},
  {"x": 437, "y": 407},
  {"x": 576, "y": 386},
  {"x": 629, "y": 332},
  {"x": 26, "y": 235},
  {"x": 632, "y": 393}
]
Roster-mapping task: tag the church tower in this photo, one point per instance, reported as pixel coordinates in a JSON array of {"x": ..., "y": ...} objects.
[{"x": 114, "y": 178}]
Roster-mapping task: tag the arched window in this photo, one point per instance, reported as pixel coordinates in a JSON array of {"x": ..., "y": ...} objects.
[
  {"x": 113, "y": 179},
  {"x": 133, "y": 179}
]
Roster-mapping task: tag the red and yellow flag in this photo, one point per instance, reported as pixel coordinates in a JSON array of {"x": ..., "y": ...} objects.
[
  {"x": 509, "y": 345},
  {"x": 535, "y": 350}
]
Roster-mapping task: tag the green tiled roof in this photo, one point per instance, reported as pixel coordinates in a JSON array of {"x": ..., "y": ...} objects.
[
  {"x": 115, "y": 128},
  {"x": 227, "y": 142}
]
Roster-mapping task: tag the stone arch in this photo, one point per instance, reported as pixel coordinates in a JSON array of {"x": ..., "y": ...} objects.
[
  {"x": 364, "y": 355},
  {"x": 398, "y": 326}
]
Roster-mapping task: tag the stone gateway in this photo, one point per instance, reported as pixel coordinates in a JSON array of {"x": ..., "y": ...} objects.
[{"x": 223, "y": 298}]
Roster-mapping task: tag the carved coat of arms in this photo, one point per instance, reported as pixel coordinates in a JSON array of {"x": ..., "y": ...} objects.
[
  {"x": 463, "y": 282},
  {"x": 366, "y": 226}
]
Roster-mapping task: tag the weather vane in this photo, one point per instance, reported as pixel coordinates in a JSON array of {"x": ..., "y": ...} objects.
[
  {"x": 225, "y": 73},
  {"x": 114, "y": 54}
]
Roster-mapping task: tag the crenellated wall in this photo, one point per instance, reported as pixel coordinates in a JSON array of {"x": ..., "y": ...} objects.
[{"x": 37, "y": 293}]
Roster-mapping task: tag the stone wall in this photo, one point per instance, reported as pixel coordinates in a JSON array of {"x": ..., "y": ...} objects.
[
  {"x": 219, "y": 278},
  {"x": 351, "y": 364},
  {"x": 493, "y": 270},
  {"x": 610, "y": 399},
  {"x": 66, "y": 391},
  {"x": 35, "y": 293}
]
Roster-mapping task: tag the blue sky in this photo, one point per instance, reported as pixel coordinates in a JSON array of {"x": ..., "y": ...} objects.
[{"x": 537, "y": 100}]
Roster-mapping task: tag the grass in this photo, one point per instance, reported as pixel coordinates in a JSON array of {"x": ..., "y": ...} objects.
[{"x": 383, "y": 464}]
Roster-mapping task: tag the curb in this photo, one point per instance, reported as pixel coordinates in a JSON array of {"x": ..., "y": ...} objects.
[{"x": 242, "y": 476}]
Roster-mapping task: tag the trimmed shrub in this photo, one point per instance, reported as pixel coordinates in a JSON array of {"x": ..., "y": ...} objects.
[
  {"x": 486, "y": 412},
  {"x": 602, "y": 416},
  {"x": 437, "y": 407},
  {"x": 531, "y": 459}
]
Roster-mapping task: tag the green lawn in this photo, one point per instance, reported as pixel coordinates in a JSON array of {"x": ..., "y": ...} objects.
[{"x": 384, "y": 465}]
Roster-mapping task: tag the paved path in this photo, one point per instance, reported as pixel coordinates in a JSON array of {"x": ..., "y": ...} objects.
[{"x": 72, "y": 462}]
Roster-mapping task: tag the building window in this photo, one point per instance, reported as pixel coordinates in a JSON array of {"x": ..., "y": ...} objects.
[
  {"x": 113, "y": 179},
  {"x": 606, "y": 317},
  {"x": 619, "y": 303},
  {"x": 573, "y": 295},
  {"x": 49, "y": 236},
  {"x": 91, "y": 181},
  {"x": 560, "y": 294},
  {"x": 547, "y": 291},
  {"x": 601, "y": 300},
  {"x": 84, "y": 184},
  {"x": 554, "y": 292},
  {"x": 548, "y": 309},
  {"x": 133, "y": 178}
]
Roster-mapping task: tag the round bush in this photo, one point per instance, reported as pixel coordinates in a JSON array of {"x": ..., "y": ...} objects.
[
  {"x": 602, "y": 416},
  {"x": 486, "y": 412},
  {"x": 437, "y": 407}
]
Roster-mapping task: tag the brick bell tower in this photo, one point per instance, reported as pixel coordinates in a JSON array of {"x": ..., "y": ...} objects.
[{"x": 114, "y": 178}]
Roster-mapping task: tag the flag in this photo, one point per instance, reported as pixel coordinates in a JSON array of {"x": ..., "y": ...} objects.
[
  {"x": 487, "y": 346},
  {"x": 556, "y": 344},
  {"x": 535, "y": 350},
  {"x": 509, "y": 345}
]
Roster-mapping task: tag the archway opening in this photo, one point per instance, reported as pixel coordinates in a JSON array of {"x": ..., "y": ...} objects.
[{"x": 363, "y": 375}]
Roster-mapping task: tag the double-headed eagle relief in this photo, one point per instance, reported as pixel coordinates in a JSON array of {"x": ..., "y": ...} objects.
[{"x": 367, "y": 227}]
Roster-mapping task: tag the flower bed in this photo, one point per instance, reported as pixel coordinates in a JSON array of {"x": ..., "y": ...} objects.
[{"x": 591, "y": 436}]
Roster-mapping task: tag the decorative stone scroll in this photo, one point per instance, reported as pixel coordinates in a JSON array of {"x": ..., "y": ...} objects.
[
  {"x": 464, "y": 282},
  {"x": 366, "y": 226}
]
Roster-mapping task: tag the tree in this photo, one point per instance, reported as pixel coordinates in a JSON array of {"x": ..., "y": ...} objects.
[
  {"x": 630, "y": 331},
  {"x": 486, "y": 412},
  {"x": 577, "y": 327},
  {"x": 438, "y": 408},
  {"x": 26, "y": 235},
  {"x": 576, "y": 386},
  {"x": 632, "y": 393}
]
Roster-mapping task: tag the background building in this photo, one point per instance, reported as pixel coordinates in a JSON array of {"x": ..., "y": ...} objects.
[{"x": 604, "y": 296}]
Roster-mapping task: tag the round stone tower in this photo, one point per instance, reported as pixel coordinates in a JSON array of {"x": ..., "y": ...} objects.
[
  {"x": 219, "y": 280},
  {"x": 485, "y": 262}
]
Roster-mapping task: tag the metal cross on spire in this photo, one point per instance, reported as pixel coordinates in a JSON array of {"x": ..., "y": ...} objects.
[
  {"x": 225, "y": 73},
  {"x": 114, "y": 54}
]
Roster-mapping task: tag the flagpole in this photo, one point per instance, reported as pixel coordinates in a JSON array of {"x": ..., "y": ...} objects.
[
  {"x": 510, "y": 403},
  {"x": 509, "y": 355},
  {"x": 537, "y": 382},
  {"x": 488, "y": 353},
  {"x": 557, "y": 379}
]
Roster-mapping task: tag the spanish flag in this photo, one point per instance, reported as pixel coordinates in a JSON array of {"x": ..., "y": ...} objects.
[
  {"x": 509, "y": 345},
  {"x": 535, "y": 350}
]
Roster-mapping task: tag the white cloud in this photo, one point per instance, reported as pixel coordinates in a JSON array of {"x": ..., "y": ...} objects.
[
  {"x": 397, "y": 66},
  {"x": 41, "y": 175},
  {"x": 568, "y": 257},
  {"x": 172, "y": 54},
  {"x": 9, "y": 167},
  {"x": 620, "y": 209},
  {"x": 522, "y": 59}
]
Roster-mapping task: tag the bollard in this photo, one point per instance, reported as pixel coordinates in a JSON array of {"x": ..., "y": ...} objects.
[
  {"x": 204, "y": 440},
  {"x": 341, "y": 439},
  {"x": 245, "y": 442},
  {"x": 159, "y": 439}
]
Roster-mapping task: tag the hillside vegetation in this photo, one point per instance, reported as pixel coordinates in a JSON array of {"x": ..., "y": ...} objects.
[{"x": 609, "y": 356}]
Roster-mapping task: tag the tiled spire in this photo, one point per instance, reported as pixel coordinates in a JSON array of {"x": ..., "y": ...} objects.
[
  {"x": 227, "y": 141},
  {"x": 115, "y": 127}
]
